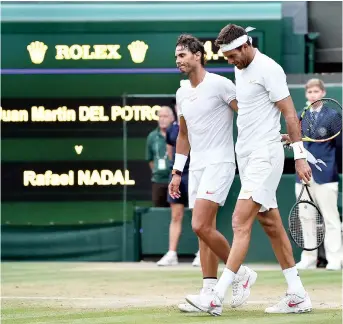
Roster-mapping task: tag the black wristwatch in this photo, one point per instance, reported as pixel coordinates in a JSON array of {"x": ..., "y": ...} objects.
[{"x": 176, "y": 172}]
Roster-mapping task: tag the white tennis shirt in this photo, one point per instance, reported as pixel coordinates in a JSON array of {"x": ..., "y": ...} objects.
[
  {"x": 209, "y": 119},
  {"x": 258, "y": 87}
]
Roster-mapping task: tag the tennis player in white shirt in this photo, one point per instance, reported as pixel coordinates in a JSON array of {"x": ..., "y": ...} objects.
[
  {"x": 206, "y": 104},
  {"x": 262, "y": 95}
]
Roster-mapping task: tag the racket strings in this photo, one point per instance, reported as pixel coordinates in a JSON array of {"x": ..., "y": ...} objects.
[
  {"x": 322, "y": 120},
  {"x": 307, "y": 225}
]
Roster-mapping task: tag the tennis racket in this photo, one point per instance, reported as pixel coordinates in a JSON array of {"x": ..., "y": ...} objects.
[
  {"x": 305, "y": 222},
  {"x": 321, "y": 121}
]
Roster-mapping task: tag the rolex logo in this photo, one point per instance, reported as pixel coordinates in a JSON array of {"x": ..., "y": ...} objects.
[
  {"x": 37, "y": 52},
  {"x": 138, "y": 50}
]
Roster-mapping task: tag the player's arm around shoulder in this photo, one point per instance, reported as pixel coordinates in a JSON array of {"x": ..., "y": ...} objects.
[
  {"x": 234, "y": 105},
  {"x": 228, "y": 92}
]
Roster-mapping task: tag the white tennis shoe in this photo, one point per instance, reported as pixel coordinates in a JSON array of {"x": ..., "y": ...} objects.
[
  {"x": 241, "y": 287},
  {"x": 168, "y": 260},
  {"x": 188, "y": 308},
  {"x": 291, "y": 303},
  {"x": 207, "y": 302},
  {"x": 196, "y": 261}
]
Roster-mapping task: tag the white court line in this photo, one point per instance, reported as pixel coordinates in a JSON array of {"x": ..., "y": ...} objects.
[
  {"x": 89, "y": 298},
  {"x": 55, "y": 298},
  {"x": 330, "y": 305}
]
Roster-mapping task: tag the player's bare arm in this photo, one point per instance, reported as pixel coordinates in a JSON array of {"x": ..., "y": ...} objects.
[
  {"x": 285, "y": 138},
  {"x": 170, "y": 152},
  {"x": 234, "y": 105},
  {"x": 182, "y": 142},
  {"x": 181, "y": 156},
  {"x": 288, "y": 111}
]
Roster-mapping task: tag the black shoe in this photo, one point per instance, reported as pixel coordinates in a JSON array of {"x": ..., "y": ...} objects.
[{"x": 321, "y": 263}]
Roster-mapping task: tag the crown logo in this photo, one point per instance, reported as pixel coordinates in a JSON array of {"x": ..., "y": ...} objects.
[
  {"x": 37, "y": 52},
  {"x": 138, "y": 50}
]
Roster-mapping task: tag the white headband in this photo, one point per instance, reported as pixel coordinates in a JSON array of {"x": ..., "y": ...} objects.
[{"x": 238, "y": 41}]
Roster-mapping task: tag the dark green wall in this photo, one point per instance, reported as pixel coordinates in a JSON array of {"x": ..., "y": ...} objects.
[
  {"x": 68, "y": 212},
  {"x": 293, "y": 48},
  {"x": 105, "y": 242}
]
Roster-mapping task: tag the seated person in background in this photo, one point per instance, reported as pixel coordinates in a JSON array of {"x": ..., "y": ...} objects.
[
  {"x": 324, "y": 185},
  {"x": 156, "y": 154},
  {"x": 177, "y": 205}
]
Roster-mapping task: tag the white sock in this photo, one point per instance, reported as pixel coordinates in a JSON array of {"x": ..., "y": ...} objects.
[
  {"x": 172, "y": 253},
  {"x": 294, "y": 282},
  {"x": 224, "y": 282},
  {"x": 209, "y": 283},
  {"x": 241, "y": 271}
]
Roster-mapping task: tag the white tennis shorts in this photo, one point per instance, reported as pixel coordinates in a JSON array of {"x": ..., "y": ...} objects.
[
  {"x": 260, "y": 174},
  {"x": 211, "y": 183}
]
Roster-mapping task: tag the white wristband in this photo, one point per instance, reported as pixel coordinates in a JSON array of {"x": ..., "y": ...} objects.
[
  {"x": 180, "y": 161},
  {"x": 299, "y": 151}
]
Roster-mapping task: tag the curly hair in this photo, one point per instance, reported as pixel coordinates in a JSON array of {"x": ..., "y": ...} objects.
[{"x": 193, "y": 44}]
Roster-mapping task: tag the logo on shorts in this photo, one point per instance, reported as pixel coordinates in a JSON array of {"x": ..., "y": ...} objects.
[{"x": 209, "y": 192}]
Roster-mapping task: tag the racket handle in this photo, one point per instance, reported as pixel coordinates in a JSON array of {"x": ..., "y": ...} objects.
[{"x": 305, "y": 184}]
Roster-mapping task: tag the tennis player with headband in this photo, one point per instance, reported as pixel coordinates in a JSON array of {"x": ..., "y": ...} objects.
[{"x": 262, "y": 95}]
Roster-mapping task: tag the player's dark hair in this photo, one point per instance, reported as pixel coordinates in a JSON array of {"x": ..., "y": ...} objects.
[
  {"x": 229, "y": 33},
  {"x": 192, "y": 44}
]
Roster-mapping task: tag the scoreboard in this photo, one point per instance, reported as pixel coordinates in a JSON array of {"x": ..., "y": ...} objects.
[
  {"x": 78, "y": 117},
  {"x": 76, "y": 149}
]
